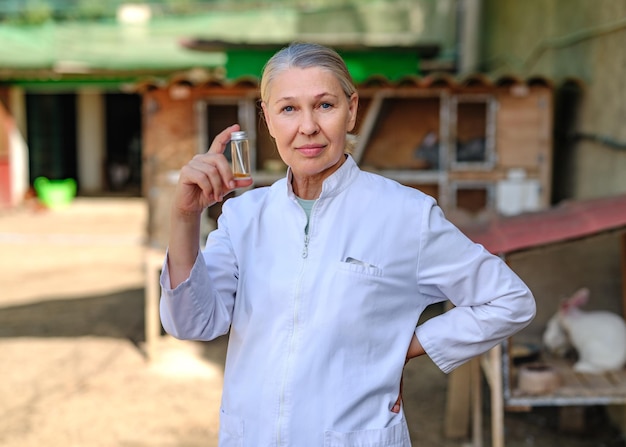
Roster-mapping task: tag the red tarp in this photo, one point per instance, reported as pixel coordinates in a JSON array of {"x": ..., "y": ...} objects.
[{"x": 570, "y": 220}]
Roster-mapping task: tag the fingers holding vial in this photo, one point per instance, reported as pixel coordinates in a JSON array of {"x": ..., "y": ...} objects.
[
  {"x": 208, "y": 177},
  {"x": 239, "y": 173}
]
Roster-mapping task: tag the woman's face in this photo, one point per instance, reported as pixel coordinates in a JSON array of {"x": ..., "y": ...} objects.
[{"x": 308, "y": 114}]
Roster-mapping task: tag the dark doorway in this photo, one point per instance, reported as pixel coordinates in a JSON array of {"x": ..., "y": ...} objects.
[
  {"x": 566, "y": 107},
  {"x": 51, "y": 135},
  {"x": 219, "y": 117},
  {"x": 123, "y": 143}
]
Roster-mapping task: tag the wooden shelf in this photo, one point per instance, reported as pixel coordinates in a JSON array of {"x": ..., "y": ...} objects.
[
  {"x": 576, "y": 388},
  {"x": 409, "y": 176},
  {"x": 265, "y": 178},
  {"x": 459, "y": 145}
]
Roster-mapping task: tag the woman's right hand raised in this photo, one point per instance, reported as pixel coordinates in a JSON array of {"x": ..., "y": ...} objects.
[{"x": 207, "y": 178}]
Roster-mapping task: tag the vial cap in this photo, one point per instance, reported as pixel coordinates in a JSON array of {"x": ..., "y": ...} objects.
[{"x": 241, "y": 135}]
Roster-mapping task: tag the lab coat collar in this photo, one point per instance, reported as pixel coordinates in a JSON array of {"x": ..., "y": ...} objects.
[{"x": 336, "y": 182}]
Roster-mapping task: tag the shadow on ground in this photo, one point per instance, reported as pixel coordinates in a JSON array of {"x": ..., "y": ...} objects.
[
  {"x": 121, "y": 315},
  {"x": 116, "y": 315}
]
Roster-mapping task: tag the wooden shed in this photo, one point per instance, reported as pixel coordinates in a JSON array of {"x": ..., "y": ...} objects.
[
  {"x": 481, "y": 147},
  {"x": 478, "y": 146},
  {"x": 556, "y": 251}
]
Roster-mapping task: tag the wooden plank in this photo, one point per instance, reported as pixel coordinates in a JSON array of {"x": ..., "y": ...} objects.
[
  {"x": 497, "y": 397},
  {"x": 458, "y": 403},
  {"x": 367, "y": 127},
  {"x": 602, "y": 381},
  {"x": 398, "y": 136},
  {"x": 153, "y": 262},
  {"x": 618, "y": 378},
  {"x": 582, "y": 387},
  {"x": 597, "y": 384},
  {"x": 523, "y": 139},
  {"x": 4, "y": 132},
  {"x": 545, "y": 146},
  {"x": 480, "y": 176},
  {"x": 409, "y": 176},
  {"x": 623, "y": 270},
  {"x": 476, "y": 398}
]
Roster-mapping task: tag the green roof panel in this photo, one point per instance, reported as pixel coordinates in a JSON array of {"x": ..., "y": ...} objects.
[
  {"x": 362, "y": 64},
  {"x": 391, "y": 65}
]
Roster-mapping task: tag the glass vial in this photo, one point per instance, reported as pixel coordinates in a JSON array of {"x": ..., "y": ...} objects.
[{"x": 240, "y": 155}]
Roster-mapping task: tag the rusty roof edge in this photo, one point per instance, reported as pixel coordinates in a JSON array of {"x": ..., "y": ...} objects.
[{"x": 429, "y": 81}]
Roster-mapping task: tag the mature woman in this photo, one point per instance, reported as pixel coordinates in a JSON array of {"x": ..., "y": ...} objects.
[{"x": 320, "y": 279}]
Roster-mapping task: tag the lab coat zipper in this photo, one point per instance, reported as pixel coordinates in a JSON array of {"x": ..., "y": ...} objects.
[
  {"x": 305, "y": 254},
  {"x": 305, "y": 249},
  {"x": 291, "y": 350}
]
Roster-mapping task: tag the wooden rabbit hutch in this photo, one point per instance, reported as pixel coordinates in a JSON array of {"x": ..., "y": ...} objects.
[
  {"x": 477, "y": 146},
  {"x": 480, "y": 147},
  {"x": 554, "y": 251}
]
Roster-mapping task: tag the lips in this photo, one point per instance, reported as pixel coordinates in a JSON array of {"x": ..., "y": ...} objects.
[{"x": 311, "y": 150}]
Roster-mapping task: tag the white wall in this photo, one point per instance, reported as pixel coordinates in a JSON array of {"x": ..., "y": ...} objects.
[
  {"x": 91, "y": 140},
  {"x": 18, "y": 149}
]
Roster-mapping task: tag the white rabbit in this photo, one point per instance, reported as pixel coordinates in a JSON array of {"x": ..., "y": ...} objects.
[{"x": 599, "y": 337}]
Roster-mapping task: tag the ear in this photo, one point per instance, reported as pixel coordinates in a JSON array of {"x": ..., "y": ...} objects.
[
  {"x": 353, "y": 106},
  {"x": 580, "y": 297},
  {"x": 266, "y": 115},
  {"x": 577, "y": 300}
]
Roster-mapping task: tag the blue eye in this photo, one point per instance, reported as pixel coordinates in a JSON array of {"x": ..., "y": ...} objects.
[
  {"x": 326, "y": 105},
  {"x": 288, "y": 109}
]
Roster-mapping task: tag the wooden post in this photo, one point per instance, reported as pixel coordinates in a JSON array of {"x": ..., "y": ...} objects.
[
  {"x": 152, "y": 269},
  {"x": 458, "y": 402},
  {"x": 497, "y": 397},
  {"x": 368, "y": 126},
  {"x": 618, "y": 413},
  {"x": 623, "y": 270},
  {"x": 459, "y": 395},
  {"x": 477, "y": 403}
]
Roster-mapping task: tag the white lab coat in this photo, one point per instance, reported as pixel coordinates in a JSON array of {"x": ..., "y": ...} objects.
[{"x": 320, "y": 324}]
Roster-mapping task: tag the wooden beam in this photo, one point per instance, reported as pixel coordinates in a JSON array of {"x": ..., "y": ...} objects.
[
  {"x": 623, "y": 270},
  {"x": 368, "y": 126},
  {"x": 458, "y": 402}
]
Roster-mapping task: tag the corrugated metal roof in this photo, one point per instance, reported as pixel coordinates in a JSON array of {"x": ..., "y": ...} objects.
[
  {"x": 79, "y": 48},
  {"x": 54, "y": 50},
  {"x": 568, "y": 221}
]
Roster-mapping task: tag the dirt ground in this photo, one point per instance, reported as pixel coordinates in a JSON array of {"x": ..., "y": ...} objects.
[{"x": 72, "y": 360}]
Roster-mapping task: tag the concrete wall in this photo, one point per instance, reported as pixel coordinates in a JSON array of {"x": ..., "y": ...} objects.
[
  {"x": 569, "y": 40},
  {"x": 170, "y": 140}
]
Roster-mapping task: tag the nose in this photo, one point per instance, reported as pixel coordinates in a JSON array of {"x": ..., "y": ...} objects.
[{"x": 308, "y": 123}]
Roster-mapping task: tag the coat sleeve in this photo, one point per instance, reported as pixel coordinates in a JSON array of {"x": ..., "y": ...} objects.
[
  {"x": 201, "y": 307},
  {"x": 490, "y": 301}
]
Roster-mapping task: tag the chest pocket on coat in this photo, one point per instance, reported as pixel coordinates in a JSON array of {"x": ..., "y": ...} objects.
[
  {"x": 357, "y": 279},
  {"x": 360, "y": 267},
  {"x": 394, "y": 436}
]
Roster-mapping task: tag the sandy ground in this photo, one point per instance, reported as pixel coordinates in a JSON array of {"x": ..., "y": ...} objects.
[{"x": 72, "y": 360}]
